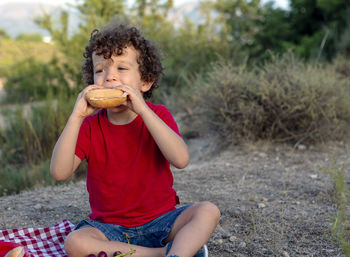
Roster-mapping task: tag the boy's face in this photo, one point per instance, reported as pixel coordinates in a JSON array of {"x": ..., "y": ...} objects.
[{"x": 121, "y": 69}]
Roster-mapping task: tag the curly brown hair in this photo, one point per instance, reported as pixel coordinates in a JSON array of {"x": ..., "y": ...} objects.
[{"x": 112, "y": 40}]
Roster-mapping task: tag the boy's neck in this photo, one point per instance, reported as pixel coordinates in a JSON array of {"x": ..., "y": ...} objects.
[{"x": 121, "y": 118}]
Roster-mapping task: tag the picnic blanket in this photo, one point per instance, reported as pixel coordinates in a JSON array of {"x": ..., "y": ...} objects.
[{"x": 40, "y": 242}]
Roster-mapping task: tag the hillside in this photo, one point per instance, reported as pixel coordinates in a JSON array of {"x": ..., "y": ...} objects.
[{"x": 13, "y": 51}]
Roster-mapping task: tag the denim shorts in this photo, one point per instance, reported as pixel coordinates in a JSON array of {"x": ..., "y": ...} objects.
[{"x": 151, "y": 234}]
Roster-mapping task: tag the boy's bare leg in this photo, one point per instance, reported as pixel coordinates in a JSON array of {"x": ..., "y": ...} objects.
[
  {"x": 193, "y": 228},
  {"x": 84, "y": 241}
]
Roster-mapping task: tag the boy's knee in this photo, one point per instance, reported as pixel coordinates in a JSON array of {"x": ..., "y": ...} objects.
[
  {"x": 211, "y": 209},
  {"x": 71, "y": 243}
]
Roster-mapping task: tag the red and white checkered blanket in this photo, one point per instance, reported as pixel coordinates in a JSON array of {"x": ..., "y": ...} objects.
[{"x": 40, "y": 242}]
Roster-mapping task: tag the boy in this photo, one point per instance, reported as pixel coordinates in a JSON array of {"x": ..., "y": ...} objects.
[{"x": 129, "y": 150}]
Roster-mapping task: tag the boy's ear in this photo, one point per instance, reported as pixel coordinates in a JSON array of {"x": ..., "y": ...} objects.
[{"x": 146, "y": 86}]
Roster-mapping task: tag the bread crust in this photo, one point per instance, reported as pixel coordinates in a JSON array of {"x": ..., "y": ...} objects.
[
  {"x": 16, "y": 252},
  {"x": 105, "y": 97}
]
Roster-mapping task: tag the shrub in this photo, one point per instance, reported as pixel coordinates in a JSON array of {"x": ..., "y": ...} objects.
[
  {"x": 15, "y": 179},
  {"x": 14, "y": 51},
  {"x": 340, "y": 223},
  {"x": 27, "y": 142},
  {"x": 30, "y": 137},
  {"x": 30, "y": 80},
  {"x": 341, "y": 65},
  {"x": 284, "y": 101},
  {"x": 36, "y": 37}
]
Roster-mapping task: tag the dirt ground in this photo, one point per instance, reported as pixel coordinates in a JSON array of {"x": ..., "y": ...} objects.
[{"x": 274, "y": 200}]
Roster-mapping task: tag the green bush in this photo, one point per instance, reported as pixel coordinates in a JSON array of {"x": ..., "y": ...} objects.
[
  {"x": 341, "y": 65},
  {"x": 27, "y": 142},
  {"x": 36, "y": 37},
  {"x": 30, "y": 80},
  {"x": 15, "y": 179},
  {"x": 340, "y": 223},
  {"x": 13, "y": 51},
  {"x": 284, "y": 101},
  {"x": 29, "y": 138}
]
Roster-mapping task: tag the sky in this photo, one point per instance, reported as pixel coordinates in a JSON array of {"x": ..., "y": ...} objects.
[{"x": 279, "y": 3}]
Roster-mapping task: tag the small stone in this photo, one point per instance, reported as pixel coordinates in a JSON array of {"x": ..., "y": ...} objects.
[
  {"x": 37, "y": 206},
  {"x": 219, "y": 242},
  {"x": 285, "y": 254},
  {"x": 301, "y": 147},
  {"x": 262, "y": 155},
  {"x": 232, "y": 238},
  {"x": 261, "y": 205},
  {"x": 313, "y": 176},
  {"x": 242, "y": 244}
]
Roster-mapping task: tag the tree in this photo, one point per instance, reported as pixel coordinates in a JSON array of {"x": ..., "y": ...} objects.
[
  {"x": 240, "y": 17},
  {"x": 30, "y": 37},
  {"x": 313, "y": 29},
  {"x": 3, "y": 34},
  {"x": 93, "y": 14}
]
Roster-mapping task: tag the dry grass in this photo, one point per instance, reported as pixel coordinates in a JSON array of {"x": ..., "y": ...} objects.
[{"x": 284, "y": 101}]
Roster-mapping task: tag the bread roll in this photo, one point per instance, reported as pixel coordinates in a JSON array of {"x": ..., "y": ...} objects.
[
  {"x": 16, "y": 252},
  {"x": 105, "y": 97}
]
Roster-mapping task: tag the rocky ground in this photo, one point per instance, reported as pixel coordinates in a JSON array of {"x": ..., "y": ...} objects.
[{"x": 274, "y": 200}]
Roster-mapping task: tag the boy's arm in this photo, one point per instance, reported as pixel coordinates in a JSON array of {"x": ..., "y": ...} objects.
[
  {"x": 171, "y": 144},
  {"x": 64, "y": 161}
]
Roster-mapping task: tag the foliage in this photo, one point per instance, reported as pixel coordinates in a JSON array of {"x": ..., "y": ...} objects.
[
  {"x": 94, "y": 14},
  {"x": 30, "y": 37},
  {"x": 30, "y": 136},
  {"x": 341, "y": 65},
  {"x": 343, "y": 46},
  {"x": 240, "y": 18},
  {"x": 30, "y": 80},
  {"x": 285, "y": 101},
  {"x": 188, "y": 49},
  {"x": 13, "y": 52},
  {"x": 340, "y": 223},
  {"x": 13, "y": 180},
  {"x": 311, "y": 28},
  {"x": 27, "y": 142},
  {"x": 4, "y": 34},
  {"x": 239, "y": 95}
]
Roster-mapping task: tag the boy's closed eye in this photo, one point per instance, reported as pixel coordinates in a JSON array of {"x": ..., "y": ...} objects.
[
  {"x": 122, "y": 68},
  {"x": 98, "y": 70}
]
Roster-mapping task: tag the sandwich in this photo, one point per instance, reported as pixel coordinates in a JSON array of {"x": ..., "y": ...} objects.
[{"x": 106, "y": 97}]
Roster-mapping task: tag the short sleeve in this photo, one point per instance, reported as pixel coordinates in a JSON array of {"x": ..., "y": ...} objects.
[
  {"x": 82, "y": 148},
  {"x": 167, "y": 117}
]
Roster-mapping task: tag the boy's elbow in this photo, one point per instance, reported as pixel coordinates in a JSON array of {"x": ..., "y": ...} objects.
[
  {"x": 56, "y": 175},
  {"x": 181, "y": 165},
  {"x": 183, "y": 162}
]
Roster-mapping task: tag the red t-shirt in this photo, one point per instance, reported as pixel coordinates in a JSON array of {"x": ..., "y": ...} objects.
[{"x": 128, "y": 179}]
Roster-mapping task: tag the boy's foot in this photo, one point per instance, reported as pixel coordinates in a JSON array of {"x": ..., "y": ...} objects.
[{"x": 203, "y": 252}]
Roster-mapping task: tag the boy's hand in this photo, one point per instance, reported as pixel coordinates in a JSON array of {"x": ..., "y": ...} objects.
[
  {"x": 82, "y": 108},
  {"x": 135, "y": 100}
]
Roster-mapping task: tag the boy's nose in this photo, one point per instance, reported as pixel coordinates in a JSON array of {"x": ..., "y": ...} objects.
[{"x": 110, "y": 78}]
